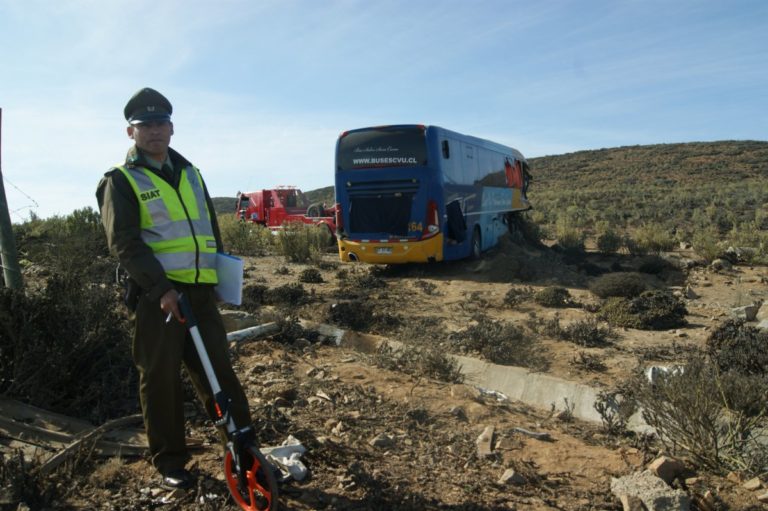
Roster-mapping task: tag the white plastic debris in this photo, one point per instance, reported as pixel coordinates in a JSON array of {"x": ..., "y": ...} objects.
[
  {"x": 287, "y": 458},
  {"x": 493, "y": 393},
  {"x": 655, "y": 373}
]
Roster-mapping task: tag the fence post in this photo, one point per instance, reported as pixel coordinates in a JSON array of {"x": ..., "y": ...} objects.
[{"x": 9, "y": 256}]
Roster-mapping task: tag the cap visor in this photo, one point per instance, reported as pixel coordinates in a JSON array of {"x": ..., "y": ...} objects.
[{"x": 140, "y": 119}]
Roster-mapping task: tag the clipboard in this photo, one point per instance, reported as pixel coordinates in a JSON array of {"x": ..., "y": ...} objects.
[{"x": 229, "y": 270}]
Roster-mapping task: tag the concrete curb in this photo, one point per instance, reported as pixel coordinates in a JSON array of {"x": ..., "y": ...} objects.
[{"x": 517, "y": 383}]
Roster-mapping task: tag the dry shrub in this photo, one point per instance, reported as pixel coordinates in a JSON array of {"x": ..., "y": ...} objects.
[
  {"x": 652, "y": 310},
  {"x": 72, "y": 244},
  {"x": 110, "y": 474},
  {"x": 16, "y": 482},
  {"x": 501, "y": 343},
  {"x": 311, "y": 276},
  {"x": 361, "y": 315},
  {"x": 653, "y": 264},
  {"x": 626, "y": 284},
  {"x": 554, "y": 296},
  {"x": 355, "y": 315},
  {"x": 694, "y": 416},
  {"x": 429, "y": 288},
  {"x": 735, "y": 346},
  {"x": 588, "y": 362},
  {"x": 65, "y": 348},
  {"x": 419, "y": 361},
  {"x": 291, "y": 295},
  {"x": 518, "y": 295},
  {"x": 588, "y": 332},
  {"x": 609, "y": 242}
]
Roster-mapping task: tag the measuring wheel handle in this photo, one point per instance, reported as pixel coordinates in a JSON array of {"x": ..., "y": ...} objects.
[{"x": 250, "y": 477}]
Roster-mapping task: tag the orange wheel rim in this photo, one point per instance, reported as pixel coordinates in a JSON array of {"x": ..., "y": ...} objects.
[{"x": 255, "y": 488}]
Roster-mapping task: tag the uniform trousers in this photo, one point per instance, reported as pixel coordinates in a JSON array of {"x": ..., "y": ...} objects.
[{"x": 159, "y": 351}]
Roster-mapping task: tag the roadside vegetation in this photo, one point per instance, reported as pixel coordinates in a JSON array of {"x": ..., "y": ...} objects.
[{"x": 65, "y": 339}]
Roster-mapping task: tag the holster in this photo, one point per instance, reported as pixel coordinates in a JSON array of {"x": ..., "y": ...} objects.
[{"x": 131, "y": 294}]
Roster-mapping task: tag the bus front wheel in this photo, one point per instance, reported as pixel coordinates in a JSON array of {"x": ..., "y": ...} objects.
[{"x": 476, "y": 244}]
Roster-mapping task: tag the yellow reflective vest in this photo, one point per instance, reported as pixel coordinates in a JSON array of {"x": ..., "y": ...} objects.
[{"x": 176, "y": 224}]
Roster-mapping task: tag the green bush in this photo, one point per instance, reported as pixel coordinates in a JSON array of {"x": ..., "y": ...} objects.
[
  {"x": 244, "y": 238},
  {"x": 299, "y": 242},
  {"x": 654, "y": 238},
  {"x": 624, "y": 284},
  {"x": 64, "y": 245},
  {"x": 569, "y": 238},
  {"x": 652, "y": 310},
  {"x": 705, "y": 243}
]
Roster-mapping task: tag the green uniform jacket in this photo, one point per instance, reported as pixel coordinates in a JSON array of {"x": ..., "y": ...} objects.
[{"x": 119, "y": 208}]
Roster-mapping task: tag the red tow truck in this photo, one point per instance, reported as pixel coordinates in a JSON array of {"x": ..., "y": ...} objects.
[{"x": 275, "y": 207}]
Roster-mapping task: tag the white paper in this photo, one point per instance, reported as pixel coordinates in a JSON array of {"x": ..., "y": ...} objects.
[{"x": 230, "y": 272}]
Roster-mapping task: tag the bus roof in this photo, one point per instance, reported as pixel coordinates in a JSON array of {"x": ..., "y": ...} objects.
[{"x": 489, "y": 144}]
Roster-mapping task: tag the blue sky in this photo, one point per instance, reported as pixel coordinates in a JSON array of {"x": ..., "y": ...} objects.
[{"x": 262, "y": 88}]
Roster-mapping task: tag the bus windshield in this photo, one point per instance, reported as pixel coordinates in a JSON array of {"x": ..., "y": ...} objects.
[{"x": 383, "y": 147}]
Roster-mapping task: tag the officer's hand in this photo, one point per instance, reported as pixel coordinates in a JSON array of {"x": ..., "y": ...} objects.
[{"x": 169, "y": 304}]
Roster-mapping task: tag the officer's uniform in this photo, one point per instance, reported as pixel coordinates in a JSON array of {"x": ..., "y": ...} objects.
[{"x": 135, "y": 200}]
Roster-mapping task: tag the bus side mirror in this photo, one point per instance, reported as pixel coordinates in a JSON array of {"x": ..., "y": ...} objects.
[{"x": 446, "y": 150}]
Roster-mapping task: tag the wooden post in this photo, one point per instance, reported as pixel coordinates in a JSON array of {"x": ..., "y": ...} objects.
[{"x": 9, "y": 257}]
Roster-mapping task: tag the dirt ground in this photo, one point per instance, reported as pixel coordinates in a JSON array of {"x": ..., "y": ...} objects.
[{"x": 336, "y": 400}]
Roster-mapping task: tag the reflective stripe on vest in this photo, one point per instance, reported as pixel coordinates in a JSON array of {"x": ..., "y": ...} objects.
[{"x": 176, "y": 224}]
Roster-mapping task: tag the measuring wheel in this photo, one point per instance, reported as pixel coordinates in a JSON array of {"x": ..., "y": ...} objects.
[{"x": 255, "y": 489}]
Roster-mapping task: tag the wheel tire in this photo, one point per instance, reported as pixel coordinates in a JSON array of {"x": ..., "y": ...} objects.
[
  {"x": 263, "y": 482},
  {"x": 514, "y": 225},
  {"x": 477, "y": 246}
]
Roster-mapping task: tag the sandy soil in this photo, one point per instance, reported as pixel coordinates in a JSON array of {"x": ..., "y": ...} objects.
[{"x": 336, "y": 400}]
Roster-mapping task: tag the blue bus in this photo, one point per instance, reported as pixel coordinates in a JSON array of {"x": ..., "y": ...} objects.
[{"x": 415, "y": 193}]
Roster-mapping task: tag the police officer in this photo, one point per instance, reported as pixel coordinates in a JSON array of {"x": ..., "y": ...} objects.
[{"x": 161, "y": 225}]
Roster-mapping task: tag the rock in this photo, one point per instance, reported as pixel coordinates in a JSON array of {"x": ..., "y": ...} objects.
[
  {"x": 763, "y": 497},
  {"x": 733, "y": 477},
  {"x": 511, "y": 477},
  {"x": 465, "y": 392},
  {"x": 753, "y": 484},
  {"x": 704, "y": 502},
  {"x": 666, "y": 468},
  {"x": 763, "y": 325},
  {"x": 747, "y": 312},
  {"x": 382, "y": 441},
  {"x": 654, "y": 493},
  {"x": 631, "y": 503},
  {"x": 690, "y": 293},
  {"x": 721, "y": 265},
  {"x": 484, "y": 442},
  {"x": 762, "y": 312},
  {"x": 238, "y": 320},
  {"x": 458, "y": 412},
  {"x": 684, "y": 245}
]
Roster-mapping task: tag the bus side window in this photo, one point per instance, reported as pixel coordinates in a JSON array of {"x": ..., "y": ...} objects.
[{"x": 446, "y": 150}]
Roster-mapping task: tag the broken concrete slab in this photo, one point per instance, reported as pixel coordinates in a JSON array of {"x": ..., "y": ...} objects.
[{"x": 654, "y": 493}]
